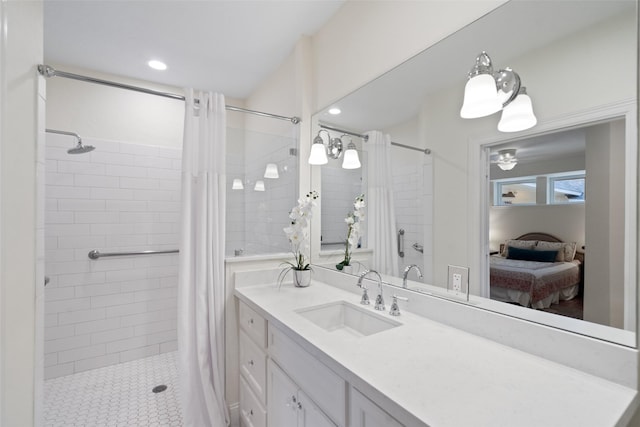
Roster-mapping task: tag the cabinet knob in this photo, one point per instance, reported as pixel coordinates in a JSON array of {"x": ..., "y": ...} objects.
[
  {"x": 251, "y": 412},
  {"x": 251, "y": 321},
  {"x": 250, "y": 362}
]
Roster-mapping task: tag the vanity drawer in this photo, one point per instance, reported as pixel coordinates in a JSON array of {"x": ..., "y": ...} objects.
[
  {"x": 253, "y": 324},
  {"x": 326, "y": 388},
  {"x": 253, "y": 366},
  {"x": 252, "y": 414}
]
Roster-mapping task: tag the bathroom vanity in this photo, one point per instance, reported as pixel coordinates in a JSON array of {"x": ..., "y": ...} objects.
[{"x": 316, "y": 357}]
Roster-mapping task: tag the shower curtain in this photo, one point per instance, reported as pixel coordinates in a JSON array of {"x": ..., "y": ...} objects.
[
  {"x": 201, "y": 292},
  {"x": 381, "y": 209}
]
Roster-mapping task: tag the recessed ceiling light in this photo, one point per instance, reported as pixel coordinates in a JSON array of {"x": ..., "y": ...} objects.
[
  {"x": 157, "y": 65},
  {"x": 335, "y": 111}
]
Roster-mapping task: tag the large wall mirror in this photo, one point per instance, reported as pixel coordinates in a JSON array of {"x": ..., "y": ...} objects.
[{"x": 573, "y": 189}]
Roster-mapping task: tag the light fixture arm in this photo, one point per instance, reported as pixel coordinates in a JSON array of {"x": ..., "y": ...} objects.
[{"x": 507, "y": 82}]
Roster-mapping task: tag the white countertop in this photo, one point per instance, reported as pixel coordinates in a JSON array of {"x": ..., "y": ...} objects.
[{"x": 424, "y": 370}]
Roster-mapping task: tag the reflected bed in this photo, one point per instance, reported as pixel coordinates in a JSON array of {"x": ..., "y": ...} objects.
[{"x": 536, "y": 270}]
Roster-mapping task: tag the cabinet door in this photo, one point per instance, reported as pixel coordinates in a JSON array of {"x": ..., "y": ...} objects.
[
  {"x": 282, "y": 406},
  {"x": 309, "y": 415},
  {"x": 365, "y": 413}
]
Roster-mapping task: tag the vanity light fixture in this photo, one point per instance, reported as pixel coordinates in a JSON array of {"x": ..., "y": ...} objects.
[
  {"x": 259, "y": 186},
  {"x": 271, "y": 171},
  {"x": 237, "y": 184},
  {"x": 507, "y": 159},
  {"x": 487, "y": 92},
  {"x": 334, "y": 111}
]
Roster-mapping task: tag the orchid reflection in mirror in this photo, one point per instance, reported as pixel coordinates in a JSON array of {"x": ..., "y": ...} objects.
[{"x": 353, "y": 220}]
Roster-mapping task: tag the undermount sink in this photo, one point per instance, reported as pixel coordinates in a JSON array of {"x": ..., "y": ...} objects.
[{"x": 342, "y": 317}]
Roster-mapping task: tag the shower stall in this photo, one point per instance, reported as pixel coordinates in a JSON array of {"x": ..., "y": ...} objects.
[{"x": 112, "y": 223}]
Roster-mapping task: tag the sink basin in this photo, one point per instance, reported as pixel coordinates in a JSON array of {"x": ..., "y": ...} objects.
[{"x": 343, "y": 318}]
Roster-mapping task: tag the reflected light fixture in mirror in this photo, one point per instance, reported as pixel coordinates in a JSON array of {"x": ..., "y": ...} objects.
[
  {"x": 271, "y": 171},
  {"x": 259, "y": 186},
  {"x": 507, "y": 159},
  {"x": 487, "y": 92},
  {"x": 318, "y": 154},
  {"x": 351, "y": 159},
  {"x": 334, "y": 111},
  {"x": 334, "y": 149},
  {"x": 237, "y": 184}
]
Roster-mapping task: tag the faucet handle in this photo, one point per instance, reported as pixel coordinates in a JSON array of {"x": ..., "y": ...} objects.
[
  {"x": 365, "y": 297},
  {"x": 395, "y": 309}
]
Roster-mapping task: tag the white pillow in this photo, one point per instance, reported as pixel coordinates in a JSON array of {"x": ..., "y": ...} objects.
[{"x": 566, "y": 251}]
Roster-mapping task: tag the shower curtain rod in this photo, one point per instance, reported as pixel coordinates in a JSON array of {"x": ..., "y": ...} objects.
[
  {"x": 48, "y": 71},
  {"x": 366, "y": 138}
]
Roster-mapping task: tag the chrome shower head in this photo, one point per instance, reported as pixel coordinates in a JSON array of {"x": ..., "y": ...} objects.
[{"x": 80, "y": 148}]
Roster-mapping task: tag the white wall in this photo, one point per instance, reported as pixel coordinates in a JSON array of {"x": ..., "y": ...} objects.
[
  {"x": 450, "y": 135},
  {"x": 604, "y": 263},
  {"x": 103, "y": 112},
  {"x": 21, "y": 48},
  {"x": 119, "y": 197}
]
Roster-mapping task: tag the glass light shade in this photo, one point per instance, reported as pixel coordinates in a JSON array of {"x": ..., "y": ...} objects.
[
  {"x": 259, "y": 186},
  {"x": 271, "y": 171},
  {"x": 318, "y": 154},
  {"x": 518, "y": 115},
  {"x": 351, "y": 159},
  {"x": 237, "y": 184},
  {"x": 480, "y": 97},
  {"x": 507, "y": 166}
]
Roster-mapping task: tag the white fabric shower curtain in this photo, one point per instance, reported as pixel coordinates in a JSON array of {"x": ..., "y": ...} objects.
[
  {"x": 381, "y": 219},
  {"x": 201, "y": 290}
]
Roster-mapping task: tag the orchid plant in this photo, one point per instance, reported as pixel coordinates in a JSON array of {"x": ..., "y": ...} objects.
[
  {"x": 298, "y": 231},
  {"x": 353, "y": 220}
]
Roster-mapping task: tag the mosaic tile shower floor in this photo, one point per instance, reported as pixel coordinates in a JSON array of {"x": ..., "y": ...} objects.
[{"x": 117, "y": 395}]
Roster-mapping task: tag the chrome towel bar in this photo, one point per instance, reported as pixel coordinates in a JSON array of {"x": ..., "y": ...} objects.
[{"x": 95, "y": 254}]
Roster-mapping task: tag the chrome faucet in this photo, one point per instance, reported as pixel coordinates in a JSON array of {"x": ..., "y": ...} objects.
[
  {"x": 406, "y": 273},
  {"x": 379, "y": 299}
]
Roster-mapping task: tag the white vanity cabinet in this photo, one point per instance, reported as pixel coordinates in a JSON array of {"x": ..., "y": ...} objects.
[
  {"x": 283, "y": 384},
  {"x": 364, "y": 413},
  {"x": 289, "y": 405},
  {"x": 253, "y": 368}
]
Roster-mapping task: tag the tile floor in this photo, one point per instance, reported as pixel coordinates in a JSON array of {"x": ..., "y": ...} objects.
[{"x": 117, "y": 395}]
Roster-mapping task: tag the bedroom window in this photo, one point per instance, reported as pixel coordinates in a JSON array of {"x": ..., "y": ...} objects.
[
  {"x": 566, "y": 189},
  {"x": 512, "y": 193}
]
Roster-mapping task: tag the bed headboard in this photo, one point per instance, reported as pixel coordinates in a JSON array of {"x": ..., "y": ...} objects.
[{"x": 545, "y": 237}]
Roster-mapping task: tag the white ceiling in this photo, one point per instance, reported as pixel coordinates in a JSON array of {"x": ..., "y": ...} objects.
[{"x": 229, "y": 46}]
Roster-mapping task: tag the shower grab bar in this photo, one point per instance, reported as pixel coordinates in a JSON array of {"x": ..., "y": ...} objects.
[
  {"x": 401, "y": 243},
  {"x": 95, "y": 254}
]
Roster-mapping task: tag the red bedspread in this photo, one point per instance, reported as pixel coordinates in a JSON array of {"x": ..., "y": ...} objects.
[{"x": 538, "y": 279}]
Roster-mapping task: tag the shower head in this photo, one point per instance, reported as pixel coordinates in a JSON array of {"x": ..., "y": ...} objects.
[{"x": 80, "y": 148}]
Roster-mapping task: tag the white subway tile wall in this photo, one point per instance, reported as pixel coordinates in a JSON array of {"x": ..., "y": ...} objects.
[
  {"x": 412, "y": 187},
  {"x": 119, "y": 197}
]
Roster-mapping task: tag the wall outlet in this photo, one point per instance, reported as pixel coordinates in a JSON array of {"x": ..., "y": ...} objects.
[{"x": 458, "y": 281}]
